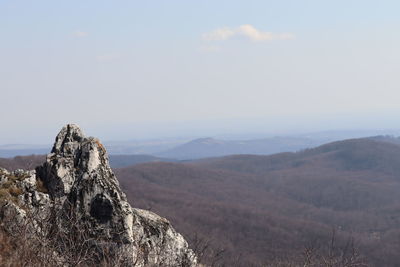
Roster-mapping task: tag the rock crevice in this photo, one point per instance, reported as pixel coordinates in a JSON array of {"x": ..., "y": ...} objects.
[{"x": 81, "y": 189}]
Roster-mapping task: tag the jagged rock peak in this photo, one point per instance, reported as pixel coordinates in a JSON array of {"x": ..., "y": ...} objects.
[
  {"x": 69, "y": 134},
  {"x": 72, "y": 142},
  {"x": 73, "y": 159},
  {"x": 77, "y": 172},
  {"x": 82, "y": 200}
]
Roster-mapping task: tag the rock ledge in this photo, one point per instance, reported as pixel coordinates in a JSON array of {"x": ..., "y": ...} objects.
[{"x": 75, "y": 195}]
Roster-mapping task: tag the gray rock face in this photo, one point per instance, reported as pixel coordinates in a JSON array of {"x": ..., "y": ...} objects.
[{"x": 80, "y": 187}]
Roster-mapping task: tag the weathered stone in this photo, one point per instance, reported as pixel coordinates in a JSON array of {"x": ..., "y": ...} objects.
[{"x": 78, "y": 184}]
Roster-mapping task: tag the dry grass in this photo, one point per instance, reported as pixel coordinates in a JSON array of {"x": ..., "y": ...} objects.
[
  {"x": 4, "y": 193},
  {"x": 15, "y": 191},
  {"x": 40, "y": 186},
  {"x": 100, "y": 145},
  {"x": 7, "y": 249},
  {"x": 7, "y": 184},
  {"x": 9, "y": 189},
  {"x": 24, "y": 246}
]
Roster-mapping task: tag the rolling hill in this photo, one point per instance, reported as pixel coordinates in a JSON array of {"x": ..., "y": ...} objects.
[
  {"x": 210, "y": 147},
  {"x": 269, "y": 207},
  {"x": 260, "y": 209}
]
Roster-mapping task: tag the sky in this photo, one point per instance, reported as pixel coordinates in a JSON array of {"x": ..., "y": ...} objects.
[{"x": 146, "y": 69}]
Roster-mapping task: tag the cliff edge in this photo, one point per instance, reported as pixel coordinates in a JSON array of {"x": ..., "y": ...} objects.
[{"x": 73, "y": 208}]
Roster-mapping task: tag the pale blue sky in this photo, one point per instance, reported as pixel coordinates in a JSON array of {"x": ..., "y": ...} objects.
[{"x": 137, "y": 69}]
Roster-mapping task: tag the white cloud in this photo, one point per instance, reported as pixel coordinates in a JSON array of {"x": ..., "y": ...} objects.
[
  {"x": 245, "y": 31},
  {"x": 80, "y": 34},
  {"x": 218, "y": 34}
]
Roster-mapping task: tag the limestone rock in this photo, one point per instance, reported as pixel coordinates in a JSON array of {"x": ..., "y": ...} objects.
[{"x": 77, "y": 187}]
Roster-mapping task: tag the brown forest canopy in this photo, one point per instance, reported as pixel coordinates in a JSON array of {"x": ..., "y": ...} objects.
[
  {"x": 268, "y": 207},
  {"x": 271, "y": 207}
]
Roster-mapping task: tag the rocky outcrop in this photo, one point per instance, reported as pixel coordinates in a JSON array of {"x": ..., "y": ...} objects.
[{"x": 76, "y": 201}]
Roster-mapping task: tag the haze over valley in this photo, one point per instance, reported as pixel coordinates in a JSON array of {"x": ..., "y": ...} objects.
[
  {"x": 207, "y": 133},
  {"x": 272, "y": 207}
]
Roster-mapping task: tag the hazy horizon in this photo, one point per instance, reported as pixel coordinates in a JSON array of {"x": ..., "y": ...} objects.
[
  {"x": 140, "y": 69},
  {"x": 230, "y": 133},
  {"x": 239, "y": 129}
]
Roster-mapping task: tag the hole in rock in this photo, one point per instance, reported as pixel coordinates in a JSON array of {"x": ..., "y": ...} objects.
[{"x": 101, "y": 208}]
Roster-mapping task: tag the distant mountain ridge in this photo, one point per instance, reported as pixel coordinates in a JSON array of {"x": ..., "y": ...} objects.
[
  {"x": 116, "y": 161},
  {"x": 210, "y": 147},
  {"x": 207, "y": 147},
  {"x": 119, "y": 161},
  {"x": 182, "y": 149},
  {"x": 269, "y": 206}
]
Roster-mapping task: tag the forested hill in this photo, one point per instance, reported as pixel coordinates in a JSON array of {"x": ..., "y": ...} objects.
[
  {"x": 268, "y": 207},
  {"x": 272, "y": 207}
]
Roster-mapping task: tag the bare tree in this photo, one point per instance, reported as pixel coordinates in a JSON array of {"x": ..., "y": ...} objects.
[
  {"x": 205, "y": 251},
  {"x": 332, "y": 254}
]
